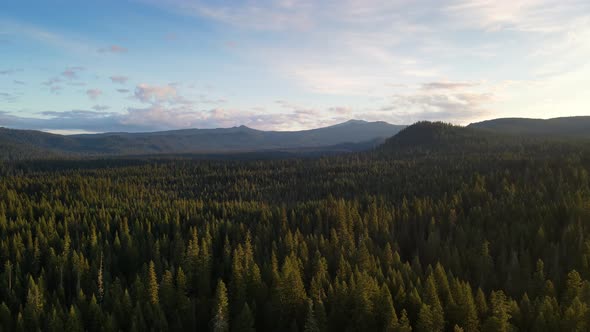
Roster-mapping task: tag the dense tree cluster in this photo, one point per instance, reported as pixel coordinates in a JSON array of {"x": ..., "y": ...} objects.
[{"x": 363, "y": 242}]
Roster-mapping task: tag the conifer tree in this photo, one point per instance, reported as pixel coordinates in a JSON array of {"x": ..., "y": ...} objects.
[
  {"x": 152, "y": 284},
  {"x": 220, "y": 321},
  {"x": 404, "y": 323},
  {"x": 74, "y": 321}
]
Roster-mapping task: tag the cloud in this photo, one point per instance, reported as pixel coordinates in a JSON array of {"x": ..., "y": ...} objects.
[
  {"x": 158, "y": 117},
  {"x": 123, "y": 90},
  {"x": 100, "y": 107},
  {"x": 541, "y": 16},
  {"x": 52, "y": 81},
  {"x": 67, "y": 43},
  {"x": 8, "y": 97},
  {"x": 72, "y": 72},
  {"x": 156, "y": 95},
  {"x": 76, "y": 83},
  {"x": 204, "y": 99},
  {"x": 73, "y": 114},
  {"x": 53, "y": 84},
  {"x": 457, "y": 107},
  {"x": 447, "y": 85},
  {"x": 265, "y": 15},
  {"x": 80, "y": 120},
  {"x": 93, "y": 93},
  {"x": 119, "y": 79},
  {"x": 18, "y": 82},
  {"x": 113, "y": 49},
  {"x": 9, "y": 71}
]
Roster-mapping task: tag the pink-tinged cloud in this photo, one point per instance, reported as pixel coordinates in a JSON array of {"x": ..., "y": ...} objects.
[
  {"x": 157, "y": 94},
  {"x": 119, "y": 79},
  {"x": 72, "y": 72},
  {"x": 93, "y": 93},
  {"x": 113, "y": 49}
]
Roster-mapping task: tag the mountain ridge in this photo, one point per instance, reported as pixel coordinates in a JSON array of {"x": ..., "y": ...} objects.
[
  {"x": 567, "y": 127},
  {"x": 356, "y": 135}
]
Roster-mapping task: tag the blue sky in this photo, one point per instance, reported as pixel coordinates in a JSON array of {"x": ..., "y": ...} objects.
[{"x": 144, "y": 65}]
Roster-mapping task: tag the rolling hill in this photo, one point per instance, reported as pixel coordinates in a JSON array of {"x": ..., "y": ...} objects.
[
  {"x": 352, "y": 135},
  {"x": 437, "y": 137}
]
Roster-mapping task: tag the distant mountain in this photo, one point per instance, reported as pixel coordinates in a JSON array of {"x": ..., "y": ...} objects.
[
  {"x": 565, "y": 127},
  {"x": 352, "y": 135}
]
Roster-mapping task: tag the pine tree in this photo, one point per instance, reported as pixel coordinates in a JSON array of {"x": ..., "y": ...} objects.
[
  {"x": 74, "y": 321},
  {"x": 425, "y": 319},
  {"x": 404, "y": 323},
  {"x": 152, "y": 284},
  {"x": 498, "y": 321},
  {"x": 291, "y": 291},
  {"x": 167, "y": 294},
  {"x": 220, "y": 322},
  {"x": 385, "y": 311},
  {"x": 481, "y": 303},
  {"x": 431, "y": 298},
  {"x": 100, "y": 281},
  {"x": 575, "y": 316}
]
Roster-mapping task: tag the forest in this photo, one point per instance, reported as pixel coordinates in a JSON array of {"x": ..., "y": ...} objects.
[{"x": 441, "y": 228}]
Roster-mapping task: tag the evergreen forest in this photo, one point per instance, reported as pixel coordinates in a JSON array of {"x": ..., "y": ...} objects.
[{"x": 441, "y": 228}]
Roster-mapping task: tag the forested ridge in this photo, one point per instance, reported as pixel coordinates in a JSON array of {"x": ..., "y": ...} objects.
[
  {"x": 353, "y": 135},
  {"x": 440, "y": 229}
]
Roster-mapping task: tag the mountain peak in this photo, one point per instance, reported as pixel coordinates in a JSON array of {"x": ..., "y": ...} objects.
[
  {"x": 352, "y": 122},
  {"x": 355, "y": 121}
]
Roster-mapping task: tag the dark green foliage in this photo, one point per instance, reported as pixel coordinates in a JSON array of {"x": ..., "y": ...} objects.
[{"x": 479, "y": 240}]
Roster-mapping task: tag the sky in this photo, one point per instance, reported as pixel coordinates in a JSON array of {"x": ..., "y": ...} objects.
[{"x": 149, "y": 65}]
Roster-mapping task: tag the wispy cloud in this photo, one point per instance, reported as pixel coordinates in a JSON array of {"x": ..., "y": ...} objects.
[
  {"x": 447, "y": 85},
  {"x": 158, "y": 117},
  {"x": 521, "y": 15},
  {"x": 273, "y": 15},
  {"x": 8, "y": 97},
  {"x": 10, "y": 71},
  {"x": 119, "y": 79},
  {"x": 159, "y": 94},
  {"x": 93, "y": 93},
  {"x": 100, "y": 107},
  {"x": 62, "y": 41},
  {"x": 72, "y": 72}
]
